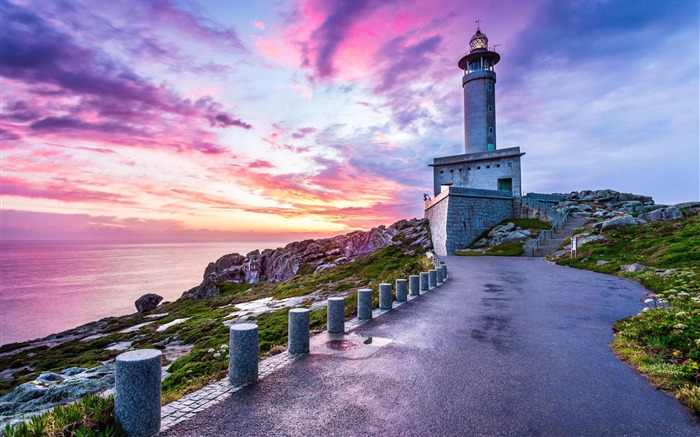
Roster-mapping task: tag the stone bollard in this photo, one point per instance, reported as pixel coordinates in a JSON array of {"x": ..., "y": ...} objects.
[
  {"x": 137, "y": 388},
  {"x": 438, "y": 276},
  {"x": 413, "y": 283},
  {"x": 336, "y": 315},
  {"x": 364, "y": 303},
  {"x": 385, "y": 296},
  {"x": 432, "y": 278},
  {"x": 424, "y": 282},
  {"x": 444, "y": 272},
  {"x": 401, "y": 287},
  {"x": 298, "y": 341},
  {"x": 243, "y": 353}
]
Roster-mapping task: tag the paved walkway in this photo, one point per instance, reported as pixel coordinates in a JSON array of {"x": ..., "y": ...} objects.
[{"x": 508, "y": 346}]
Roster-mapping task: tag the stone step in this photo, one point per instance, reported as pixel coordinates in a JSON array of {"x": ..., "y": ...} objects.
[{"x": 549, "y": 245}]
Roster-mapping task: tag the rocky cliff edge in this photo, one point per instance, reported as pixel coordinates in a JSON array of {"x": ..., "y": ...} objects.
[{"x": 309, "y": 256}]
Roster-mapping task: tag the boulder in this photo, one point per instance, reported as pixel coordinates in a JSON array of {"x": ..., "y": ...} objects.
[
  {"x": 147, "y": 302},
  {"x": 618, "y": 222},
  {"x": 588, "y": 239},
  {"x": 633, "y": 206},
  {"x": 515, "y": 236},
  {"x": 632, "y": 267},
  {"x": 672, "y": 213},
  {"x": 601, "y": 262},
  {"x": 40, "y": 395}
]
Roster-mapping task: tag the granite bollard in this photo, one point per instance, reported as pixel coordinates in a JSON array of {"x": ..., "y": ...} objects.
[
  {"x": 413, "y": 284},
  {"x": 336, "y": 315},
  {"x": 438, "y": 274},
  {"x": 298, "y": 341},
  {"x": 423, "y": 282},
  {"x": 432, "y": 278},
  {"x": 364, "y": 303},
  {"x": 137, "y": 392},
  {"x": 385, "y": 300},
  {"x": 243, "y": 353},
  {"x": 401, "y": 288}
]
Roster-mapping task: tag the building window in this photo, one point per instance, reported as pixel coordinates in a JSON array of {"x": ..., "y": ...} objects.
[
  {"x": 460, "y": 170},
  {"x": 488, "y": 166},
  {"x": 478, "y": 167},
  {"x": 490, "y": 130},
  {"x": 505, "y": 185},
  {"x": 498, "y": 165},
  {"x": 441, "y": 172},
  {"x": 469, "y": 169},
  {"x": 510, "y": 164},
  {"x": 490, "y": 108},
  {"x": 452, "y": 171}
]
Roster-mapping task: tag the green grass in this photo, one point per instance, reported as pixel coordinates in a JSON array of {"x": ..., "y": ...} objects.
[
  {"x": 514, "y": 248},
  {"x": 662, "y": 342},
  {"x": 91, "y": 416}
]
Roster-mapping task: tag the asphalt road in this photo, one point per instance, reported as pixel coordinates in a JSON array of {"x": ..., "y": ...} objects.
[{"x": 508, "y": 346}]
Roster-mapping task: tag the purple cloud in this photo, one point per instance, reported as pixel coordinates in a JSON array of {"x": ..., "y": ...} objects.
[
  {"x": 328, "y": 37},
  {"x": 52, "y": 63}
]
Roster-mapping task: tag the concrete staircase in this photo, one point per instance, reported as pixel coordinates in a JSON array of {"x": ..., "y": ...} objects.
[{"x": 552, "y": 239}]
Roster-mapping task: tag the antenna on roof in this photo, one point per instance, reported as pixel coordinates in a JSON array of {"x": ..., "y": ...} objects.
[{"x": 496, "y": 45}]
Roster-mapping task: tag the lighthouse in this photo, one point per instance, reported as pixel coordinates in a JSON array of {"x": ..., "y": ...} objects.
[
  {"x": 478, "y": 189},
  {"x": 479, "y": 85}
]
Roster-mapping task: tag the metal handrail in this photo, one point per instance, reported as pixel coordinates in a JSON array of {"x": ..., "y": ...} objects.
[{"x": 552, "y": 230}]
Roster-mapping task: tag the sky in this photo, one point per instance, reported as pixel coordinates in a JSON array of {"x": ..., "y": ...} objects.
[{"x": 246, "y": 120}]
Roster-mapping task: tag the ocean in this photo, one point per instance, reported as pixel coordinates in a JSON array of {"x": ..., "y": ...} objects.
[{"x": 48, "y": 287}]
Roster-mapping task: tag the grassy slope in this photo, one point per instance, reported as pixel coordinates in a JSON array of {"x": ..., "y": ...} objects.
[
  {"x": 205, "y": 330},
  {"x": 662, "y": 342}
]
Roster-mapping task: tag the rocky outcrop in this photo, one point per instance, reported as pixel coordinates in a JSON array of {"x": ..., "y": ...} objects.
[
  {"x": 618, "y": 222},
  {"x": 147, "y": 302},
  {"x": 662, "y": 213},
  {"x": 283, "y": 263},
  {"x": 51, "y": 389}
]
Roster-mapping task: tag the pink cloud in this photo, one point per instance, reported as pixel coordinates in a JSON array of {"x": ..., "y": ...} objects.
[
  {"x": 259, "y": 163},
  {"x": 259, "y": 24}
]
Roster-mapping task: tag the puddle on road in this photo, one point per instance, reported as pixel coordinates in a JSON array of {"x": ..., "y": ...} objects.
[{"x": 347, "y": 346}]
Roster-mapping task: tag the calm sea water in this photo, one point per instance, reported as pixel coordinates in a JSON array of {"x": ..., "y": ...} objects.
[{"x": 47, "y": 287}]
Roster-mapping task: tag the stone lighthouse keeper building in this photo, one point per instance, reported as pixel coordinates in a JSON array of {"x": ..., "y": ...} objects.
[{"x": 478, "y": 189}]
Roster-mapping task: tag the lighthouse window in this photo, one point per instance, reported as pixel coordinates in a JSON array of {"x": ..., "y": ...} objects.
[
  {"x": 490, "y": 130},
  {"x": 490, "y": 108},
  {"x": 490, "y": 87}
]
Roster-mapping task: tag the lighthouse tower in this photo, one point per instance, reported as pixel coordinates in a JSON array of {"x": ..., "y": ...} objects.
[
  {"x": 479, "y": 84},
  {"x": 478, "y": 189}
]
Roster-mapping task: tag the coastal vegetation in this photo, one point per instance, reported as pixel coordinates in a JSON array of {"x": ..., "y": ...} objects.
[
  {"x": 91, "y": 416},
  {"x": 662, "y": 341},
  {"x": 199, "y": 327}
]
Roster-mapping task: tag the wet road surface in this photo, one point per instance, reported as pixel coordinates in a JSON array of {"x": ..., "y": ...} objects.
[{"x": 507, "y": 346}]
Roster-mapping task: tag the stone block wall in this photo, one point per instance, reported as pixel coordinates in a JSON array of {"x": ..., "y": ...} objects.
[{"x": 459, "y": 215}]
